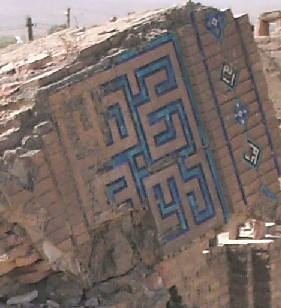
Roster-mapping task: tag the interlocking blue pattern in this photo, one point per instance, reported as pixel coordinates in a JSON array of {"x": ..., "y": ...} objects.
[
  {"x": 208, "y": 212},
  {"x": 171, "y": 116},
  {"x": 174, "y": 207},
  {"x": 165, "y": 114},
  {"x": 114, "y": 187},
  {"x": 114, "y": 112}
]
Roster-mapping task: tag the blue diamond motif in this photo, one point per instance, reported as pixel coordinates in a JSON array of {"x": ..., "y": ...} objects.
[
  {"x": 215, "y": 22},
  {"x": 241, "y": 113}
]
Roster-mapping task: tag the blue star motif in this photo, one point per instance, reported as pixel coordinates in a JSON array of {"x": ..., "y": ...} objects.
[
  {"x": 215, "y": 22},
  {"x": 241, "y": 113}
]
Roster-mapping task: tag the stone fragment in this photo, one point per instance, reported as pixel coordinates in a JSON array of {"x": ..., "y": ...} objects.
[
  {"x": 154, "y": 282},
  {"x": 270, "y": 16},
  {"x": 9, "y": 68},
  {"x": 23, "y": 299},
  {"x": 52, "y": 304},
  {"x": 38, "y": 61},
  {"x": 92, "y": 302},
  {"x": 259, "y": 230},
  {"x": 64, "y": 291},
  {"x": 121, "y": 300}
]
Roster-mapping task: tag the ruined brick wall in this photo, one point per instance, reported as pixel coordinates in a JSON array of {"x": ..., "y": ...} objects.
[
  {"x": 149, "y": 139},
  {"x": 254, "y": 275},
  {"x": 202, "y": 280},
  {"x": 241, "y": 284},
  {"x": 262, "y": 27},
  {"x": 274, "y": 263}
]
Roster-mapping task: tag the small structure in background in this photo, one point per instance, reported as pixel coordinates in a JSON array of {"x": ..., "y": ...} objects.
[{"x": 263, "y": 24}]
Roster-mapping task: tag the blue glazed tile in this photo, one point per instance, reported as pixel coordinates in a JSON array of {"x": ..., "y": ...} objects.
[
  {"x": 217, "y": 103},
  {"x": 172, "y": 124},
  {"x": 252, "y": 153},
  {"x": 215, "y": 22},
  {"x": 241, "y": 113},
  {"x": 229, "y": 74}
]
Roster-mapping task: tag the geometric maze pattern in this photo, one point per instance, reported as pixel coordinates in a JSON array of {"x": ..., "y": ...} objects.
[{"x": 159, "y": 156}]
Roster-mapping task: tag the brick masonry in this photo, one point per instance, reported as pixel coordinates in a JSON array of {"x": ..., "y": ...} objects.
[
  {"x": 157, "y": 132},
  {"x": 179, "y": 126},
  {"x": 253, "y": 274},
  {"x": 203, "y": 281},
  {"x": 147, "y": 151}
]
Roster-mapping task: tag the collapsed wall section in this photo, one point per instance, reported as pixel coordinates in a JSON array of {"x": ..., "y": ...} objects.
[
  {"x": 151, "y": 138},
  {"x": 253, "y": 274}
]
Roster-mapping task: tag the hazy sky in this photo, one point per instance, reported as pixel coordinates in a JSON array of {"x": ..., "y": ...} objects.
[{"x": 48, "y": 12}]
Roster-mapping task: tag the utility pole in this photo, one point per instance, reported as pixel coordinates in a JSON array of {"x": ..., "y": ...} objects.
[
  {"x": 29, "y": 26},
  {"x": 67, "y": 14}
]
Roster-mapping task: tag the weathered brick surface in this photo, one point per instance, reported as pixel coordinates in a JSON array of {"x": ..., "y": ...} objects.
[
  {"x": 167, "y": 120},
  {"x": 254, "y": 275},
  {"x": 17, "y": 252},
  {"x": 209, "y": 285}
]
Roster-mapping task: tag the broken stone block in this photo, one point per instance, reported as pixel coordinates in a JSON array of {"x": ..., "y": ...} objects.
[
  {"x": 23, "y": 299},
  {"x": 120, "y": 300},
  {"x": 52, "y": 304},
  {"x": 154, "y": 282},
  {"x": 64, "y": 291},
  {"x": 92, "y": 302},
  {"x": 38, "y": 61}
]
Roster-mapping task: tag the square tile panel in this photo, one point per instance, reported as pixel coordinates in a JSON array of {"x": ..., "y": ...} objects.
[
  {"x": 148, "y": 147},
  {"x": 158, "y": 118}
]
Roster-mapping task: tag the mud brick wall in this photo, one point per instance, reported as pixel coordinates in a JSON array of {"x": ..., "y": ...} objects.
[
  {"x": 162, "y": 129},
  {"x": 274, "y": 263},
  {"x": 261, "y": 278},
  {"x": 240, "y": 272},
  {"x": 18, "y": 256},
  {"x": 203, "y": 280},
  {"x": 254, "y": 274}
]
